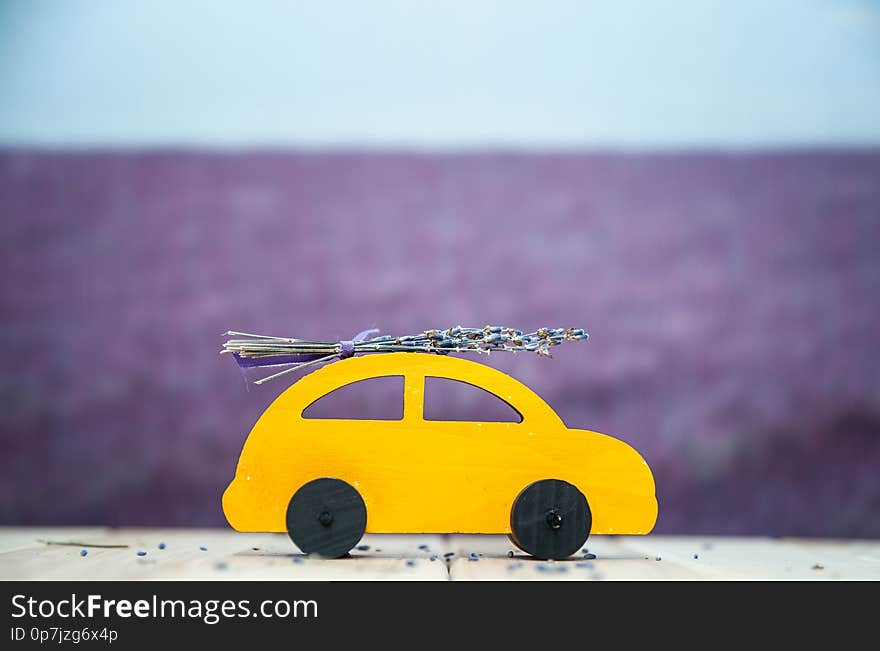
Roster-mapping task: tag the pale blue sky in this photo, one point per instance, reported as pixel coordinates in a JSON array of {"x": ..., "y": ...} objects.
[{"x": 408, "y": 73}]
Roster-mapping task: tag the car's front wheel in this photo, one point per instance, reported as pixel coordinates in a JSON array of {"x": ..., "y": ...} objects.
[
  {"x": 326, "y": 517},
  {"x": 550, "y": 518}
]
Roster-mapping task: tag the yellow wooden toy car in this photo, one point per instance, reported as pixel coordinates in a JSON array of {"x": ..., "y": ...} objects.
[{"x": 328, "y": 481}]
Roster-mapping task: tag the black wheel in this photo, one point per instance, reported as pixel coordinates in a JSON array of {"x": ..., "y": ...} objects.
[
  {"x": 326, "y": 517},
  {"x": 550, "y": 519}
]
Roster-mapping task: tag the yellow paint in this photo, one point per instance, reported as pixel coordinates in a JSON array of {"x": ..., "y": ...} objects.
[{"x": 419, "y": 476}]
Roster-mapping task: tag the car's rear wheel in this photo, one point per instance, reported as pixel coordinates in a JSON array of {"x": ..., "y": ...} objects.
[
  {"x": 326, "y": 517},
  {"x": 550, "y": 518}
]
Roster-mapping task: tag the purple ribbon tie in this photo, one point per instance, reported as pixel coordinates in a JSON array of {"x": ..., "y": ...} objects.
[{"x": 346, "y": 349}]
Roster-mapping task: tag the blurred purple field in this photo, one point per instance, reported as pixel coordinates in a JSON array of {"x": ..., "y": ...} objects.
[{"x": 732, "y": 302}]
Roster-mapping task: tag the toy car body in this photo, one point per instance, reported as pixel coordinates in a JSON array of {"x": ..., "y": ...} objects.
[{"x": 425, "y": 476}]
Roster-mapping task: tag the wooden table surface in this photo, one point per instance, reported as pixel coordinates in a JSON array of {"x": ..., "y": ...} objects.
[{"x": 39, "y": 553}]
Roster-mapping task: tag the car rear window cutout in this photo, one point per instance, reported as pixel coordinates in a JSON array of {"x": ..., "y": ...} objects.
[{"x": 376, "y": 398}]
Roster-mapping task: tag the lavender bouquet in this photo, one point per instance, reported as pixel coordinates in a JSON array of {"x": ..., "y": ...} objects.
[{"x": 252, "y": 350}]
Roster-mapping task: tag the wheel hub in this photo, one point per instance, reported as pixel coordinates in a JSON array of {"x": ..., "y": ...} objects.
[
  {"x": 325, "y": 518},
  {"x": 554, "y": 519}
]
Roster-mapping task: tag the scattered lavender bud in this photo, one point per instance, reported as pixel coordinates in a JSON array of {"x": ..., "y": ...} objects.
[
  {"x": 362, "y": 548},
  {"x": 410, "y": 563},
  {"x": 658, "y": 558},
  {"x": 433, "y": 557},
  {"x": 423, "y": 547},
  {"x": 204, "y": 549},
  {"x": 590, "y": 556},
  {"x": 83, "y": 552},
  {"x": 696, "y": 555},
  {"x": 141, "y": 552},
  {"x": 161, "y": 545}
]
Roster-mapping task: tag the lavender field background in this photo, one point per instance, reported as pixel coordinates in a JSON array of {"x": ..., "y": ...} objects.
[{"x": 732, "y": 301}]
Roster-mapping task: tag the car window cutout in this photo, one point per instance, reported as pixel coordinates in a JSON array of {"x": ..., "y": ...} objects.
[
  {"x": 375, "y": 398},
  {"x": 456, "y": 400}
]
